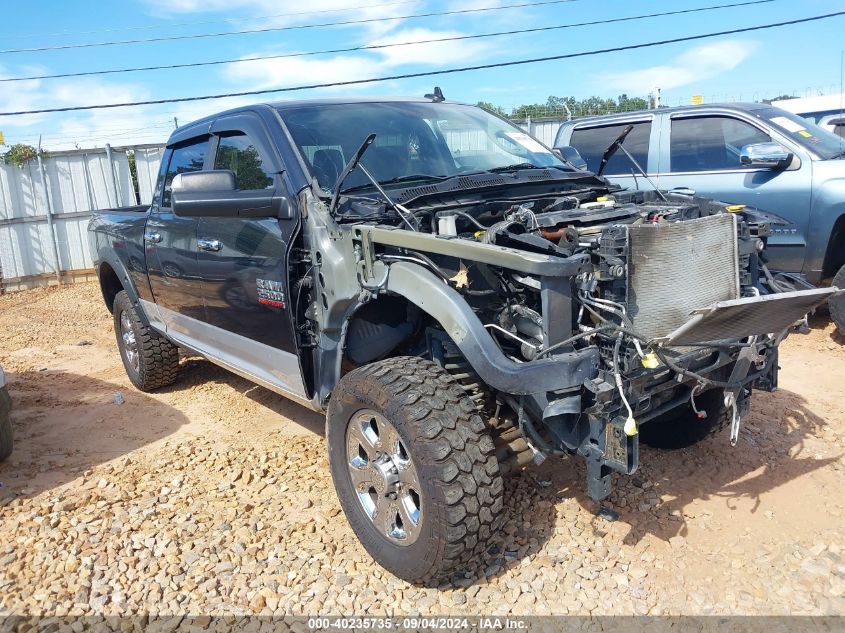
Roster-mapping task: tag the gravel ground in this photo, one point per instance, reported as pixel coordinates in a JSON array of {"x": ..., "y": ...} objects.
[{"x": 214, "y": 497}]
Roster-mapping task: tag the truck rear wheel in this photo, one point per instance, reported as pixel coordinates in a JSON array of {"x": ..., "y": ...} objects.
[
  {"x": 6, "y": 440},
  {"x": 150, "y": 360},
  {"x": 837, "y": 304},
  {"x": 414, "y": 468},
  {"x": 682, "y": 427}
]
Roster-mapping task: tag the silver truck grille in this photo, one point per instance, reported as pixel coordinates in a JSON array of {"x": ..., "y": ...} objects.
[{"x": 676, "y": 268}]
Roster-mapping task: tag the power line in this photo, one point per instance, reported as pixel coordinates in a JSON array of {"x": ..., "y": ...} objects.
[
  {"x": 382, "y": 46},
  {"x": 169, "y": 38},
  {"x": 150, "y": 27},
  {"x": 432, "y": 73}
]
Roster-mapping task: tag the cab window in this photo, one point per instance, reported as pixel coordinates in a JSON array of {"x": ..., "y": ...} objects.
[
  {"x": 237, "y": 152},
  {"x": 711, "y": 143},
  {"x": 592, "y": 142},
  {"x": 184, "y": 158}
]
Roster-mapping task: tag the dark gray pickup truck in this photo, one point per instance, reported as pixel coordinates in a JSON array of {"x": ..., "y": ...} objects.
[{"x": 459, "y": 300}]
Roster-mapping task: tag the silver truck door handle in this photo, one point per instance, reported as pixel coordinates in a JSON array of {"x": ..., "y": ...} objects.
[
  {"x": 152, "y": 238},
  {"x": 209, "y": 245},
  {"x": 684, "y": 191}
]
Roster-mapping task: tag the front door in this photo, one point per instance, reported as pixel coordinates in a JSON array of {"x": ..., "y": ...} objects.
[
  {"x": 171, "y": 245},
  {"x": 702, "y": 152},
  {"x": 243, "y": 263}
]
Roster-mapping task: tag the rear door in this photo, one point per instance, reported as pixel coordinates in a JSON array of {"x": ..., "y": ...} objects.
[
  {"x": 592, "y": 139},
  {"x": 243, "y": 262},
  {"x": 701, "y": 152},
  {"x": 171, "y": 243}
]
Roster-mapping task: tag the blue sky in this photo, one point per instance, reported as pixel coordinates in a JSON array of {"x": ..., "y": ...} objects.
[{"x": 802, "y": 59}]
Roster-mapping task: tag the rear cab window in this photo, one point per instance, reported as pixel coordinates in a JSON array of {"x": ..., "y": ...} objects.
[{"x": 592, "y": 142}]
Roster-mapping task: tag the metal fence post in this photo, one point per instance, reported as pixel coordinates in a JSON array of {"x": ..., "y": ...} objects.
[
  {"x": 112, "y": 179},
  {"x": 50, "y": 226}
]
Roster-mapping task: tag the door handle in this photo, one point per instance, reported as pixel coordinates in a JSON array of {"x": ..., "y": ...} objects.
[
  {"x": 209, "y": 245},
  {"x": 152, "y": 238},
  {"x": 684, "y": 191}
]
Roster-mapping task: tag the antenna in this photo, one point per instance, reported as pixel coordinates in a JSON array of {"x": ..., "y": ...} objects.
[{"x": 436, "y": 96}]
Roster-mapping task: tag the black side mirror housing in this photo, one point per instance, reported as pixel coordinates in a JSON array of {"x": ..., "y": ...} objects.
[
  {"x": 215, "y": 194},
  {"x": 571, "y": 156}
]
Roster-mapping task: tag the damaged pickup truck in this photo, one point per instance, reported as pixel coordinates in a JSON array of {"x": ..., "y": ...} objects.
[{"x": 459, "y": 300}]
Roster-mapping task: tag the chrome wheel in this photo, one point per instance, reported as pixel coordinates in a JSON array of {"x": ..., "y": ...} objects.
[
  {"x": 384, "y": 476},
  {"x": 130, "y": 343}
]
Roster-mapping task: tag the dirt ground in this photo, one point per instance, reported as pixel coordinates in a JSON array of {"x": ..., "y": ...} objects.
[{"x": 214, "y": 496}]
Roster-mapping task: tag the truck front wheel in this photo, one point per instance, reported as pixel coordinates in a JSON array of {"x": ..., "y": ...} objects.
[
  {"x": 414, "y": 468},
  {"x": 837, "y": 304},
  {"x": 150, "y": 360},
  {"x": 683, "y": 427}
]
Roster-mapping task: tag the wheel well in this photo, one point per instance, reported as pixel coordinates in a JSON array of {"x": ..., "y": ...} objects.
[
  {"x": 378, "y": 329},
  {"x": 835, "y": 256},
  {"x": 109, "y": 284}
]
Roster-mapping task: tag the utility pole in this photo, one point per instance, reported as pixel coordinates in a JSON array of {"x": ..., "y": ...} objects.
[{"x": 175, "y": 122}]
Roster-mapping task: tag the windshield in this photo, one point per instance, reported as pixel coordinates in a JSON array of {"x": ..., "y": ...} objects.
[
  {"x": 415, "y": 141},
  {"x": 809, "y": 135}
]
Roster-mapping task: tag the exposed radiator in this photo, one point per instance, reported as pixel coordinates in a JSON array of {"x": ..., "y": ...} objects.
[{"x": 675, "y": 268}]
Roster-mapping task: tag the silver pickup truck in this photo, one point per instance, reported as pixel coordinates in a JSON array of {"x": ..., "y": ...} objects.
[{"x": 746, "y": 153}]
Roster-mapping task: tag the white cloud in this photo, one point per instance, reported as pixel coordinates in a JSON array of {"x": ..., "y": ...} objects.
[
  {"x": 696, "y": 64},
  {"x": 86, "y": 128},
  {"x": 434, "y": 53},
  {"x": 270, "y": 13},
  {"x": 292, "y": 71}
]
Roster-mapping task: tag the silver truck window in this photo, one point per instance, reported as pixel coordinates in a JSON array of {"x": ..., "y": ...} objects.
[
  {"x": 592, "y": 142},
  {"x": 710, "y": 143},
  {"x": 237, "y": 152}
]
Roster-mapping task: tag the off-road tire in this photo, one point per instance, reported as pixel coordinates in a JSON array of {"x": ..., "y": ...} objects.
[
  {"x": 158, "y": 358},
  {"x": 6, "y": 440},
  {"x": 681, "y": 427},
  {"x": 837, "y": 304},
  {"x": 454, "y": 457}
]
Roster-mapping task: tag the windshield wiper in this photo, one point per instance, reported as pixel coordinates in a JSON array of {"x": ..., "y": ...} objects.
[
  {"x": 398, "y": 179},
  {"x": 407, "y": 217},
  {"x": 615, "y": 146},
  {"x": 514, "y": 167}
]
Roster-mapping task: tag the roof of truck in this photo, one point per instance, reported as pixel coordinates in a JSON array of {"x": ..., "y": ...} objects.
[
  {"x": 747, "y": 107},
  {"x": 185, "y": 131},
  {"x": 286, "y": 105}
]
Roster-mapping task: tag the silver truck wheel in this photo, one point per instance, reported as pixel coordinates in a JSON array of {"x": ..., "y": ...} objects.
[
  {"x": 414, "y": 468},
  {"x": 150, "y": 360},
  {"x": 384, "y": 476},
  {"x": 130, "y": 343}
]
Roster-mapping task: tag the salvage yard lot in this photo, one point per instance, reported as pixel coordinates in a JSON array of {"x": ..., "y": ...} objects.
[{"x": 214, "y": 497}]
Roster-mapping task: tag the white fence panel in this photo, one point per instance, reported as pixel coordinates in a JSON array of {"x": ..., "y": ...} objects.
[
  {"x": 78, "y": 182},
  {"x": 543, "y": 130},
  {"x": 147, "y": 161}
]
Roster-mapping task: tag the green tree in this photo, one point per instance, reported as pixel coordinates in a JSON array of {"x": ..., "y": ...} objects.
[
  {"x": 486, "y": 105},
  {"x": 20, "y": 154},
  {"x": 246, "y": 163}
]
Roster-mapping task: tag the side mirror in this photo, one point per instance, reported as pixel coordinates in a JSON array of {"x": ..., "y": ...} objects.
[
  {"x": 215, "y": 194},
  {"x": 571, "y": 156},
  {"x": 771, "y": 155}
]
